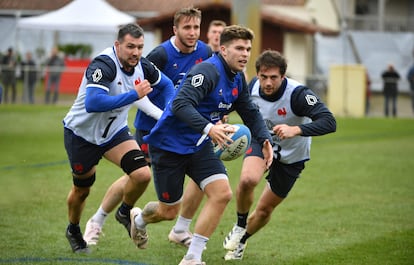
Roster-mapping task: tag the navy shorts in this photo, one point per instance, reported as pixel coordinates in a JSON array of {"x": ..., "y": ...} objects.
[
  {"x": 139, "y": 135},
  {"x": 84, "y": 155},
  {"x": 281, "y": 177},
  {"x": 169, "y": 170}
]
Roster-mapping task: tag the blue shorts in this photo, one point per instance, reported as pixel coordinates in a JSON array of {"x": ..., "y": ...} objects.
[
  {"x": 139, "y": 135},
  {"x": 84, "y": 155},
  {"x": 281, "y": 177},
  {"x": 169, "y": 170}
]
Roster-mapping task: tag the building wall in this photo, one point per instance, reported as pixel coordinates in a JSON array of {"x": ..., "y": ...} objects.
[{"x": 298, "y": 55}]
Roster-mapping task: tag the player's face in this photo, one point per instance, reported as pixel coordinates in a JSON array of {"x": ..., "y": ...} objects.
[
  {"x": 237, "y": 53},
  {"x": 187, "y": 33},
  {"x": 213, "y": 35},
  {"x": 129, "y": 51},
  {"x": 270, "y": 80}
]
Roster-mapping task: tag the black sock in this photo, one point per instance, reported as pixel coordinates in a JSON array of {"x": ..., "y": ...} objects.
[
  {"x": 73, "y": 228},
  {"x": 124, "y": 209},
  {"x": 242, "y": 219},
  {"x": 245, "y": 237}
]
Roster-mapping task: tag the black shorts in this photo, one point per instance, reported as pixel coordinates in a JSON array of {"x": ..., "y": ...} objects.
[
  {"x": 84, "y": 155},
  {"x": 169, "y": 170},
  {"x": 281, "y": 177}
]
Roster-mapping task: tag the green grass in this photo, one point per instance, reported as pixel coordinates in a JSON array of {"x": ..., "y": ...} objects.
[{"x": 354, "y": 203}]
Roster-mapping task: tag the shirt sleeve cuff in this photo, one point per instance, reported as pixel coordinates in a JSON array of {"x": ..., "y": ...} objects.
[{"x": 207, "y": 128}]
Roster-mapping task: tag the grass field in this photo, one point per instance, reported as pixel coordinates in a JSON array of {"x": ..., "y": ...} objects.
[{"x": 354, "y": 203}]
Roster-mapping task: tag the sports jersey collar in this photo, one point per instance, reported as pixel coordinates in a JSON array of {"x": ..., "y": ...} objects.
[{"x": 172, "y": 40}]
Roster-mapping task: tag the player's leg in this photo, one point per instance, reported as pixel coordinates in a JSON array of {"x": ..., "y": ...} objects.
[
  {"x": 180, "y": 233},
  {"x": 258, "y": 219},
  {"x": 210, "y": 174},
  {"x": 112, "y": 198},
  {"x": 218, "y": 195},
  {"x": 281, "y": 179},
  {"x": 168, "y": 172},
  {"x": 127, "y": 155},
  {"x": 252, "y": 172},
  {"x": 83, "y": 157}
]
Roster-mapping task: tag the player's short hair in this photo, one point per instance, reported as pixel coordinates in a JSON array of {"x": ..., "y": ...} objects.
[
  {"x": 270, "y": 59},
  {"x": 235, "y": 32},
  {"x": 132, "y": 29},
  {"x": 188, "y": 12},
  {"x": 217, "y": 23}
]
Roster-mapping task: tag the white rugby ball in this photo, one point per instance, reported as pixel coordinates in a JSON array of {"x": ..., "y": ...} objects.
[{"x": 241, "y": 141}]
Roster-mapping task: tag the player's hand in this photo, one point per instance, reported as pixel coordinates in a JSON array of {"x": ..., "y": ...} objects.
[
  {"x": 267, "y": 153},
  {"x": 143, "y": 88},
  {"x": 284, "y": 131},
  {"x": 219, "y": 134}
]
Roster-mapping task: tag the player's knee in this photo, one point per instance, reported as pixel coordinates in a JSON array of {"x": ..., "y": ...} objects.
[
  {"x": 132, "y": 161},
  {"x": 264, "y": 213},
  {"x": 226, "y": 196},
  {"x": 170, "y": 213},
  {"x": 248, "y": 182},
  {"x": 81, "y": 186},
  {"x": 84, "y": 182}
]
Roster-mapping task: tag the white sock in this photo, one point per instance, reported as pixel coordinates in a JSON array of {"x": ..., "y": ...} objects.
[
  {"x": 198, "y": 243},
  {"x": 182, "y": 224},
  {"x": 100, "y": 216},
  {"x": 139, "y": 222}
]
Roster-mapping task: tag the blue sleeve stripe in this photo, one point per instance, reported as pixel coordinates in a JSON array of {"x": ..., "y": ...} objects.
[{"x": 97, "y": 86}]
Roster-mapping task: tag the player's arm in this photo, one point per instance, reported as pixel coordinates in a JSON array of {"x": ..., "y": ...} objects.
[
  {"x": 305, "y": 102},
  {"x": 160, "y": 84},
  {"x": 197, "y": 84},
  {"x": 100, "y": 73}
]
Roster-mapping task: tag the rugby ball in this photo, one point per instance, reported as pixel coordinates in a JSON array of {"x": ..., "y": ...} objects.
[{"x": 241, "y": 141}]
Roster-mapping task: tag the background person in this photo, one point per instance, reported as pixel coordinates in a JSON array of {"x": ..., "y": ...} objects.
[
  {"x": 410, "y": 78},
  {"x": 9, "y": 63},
  {"x": 29, "y": 78},
  {"x": 214, "y": 31},
  {"x": 390, "y": 79},
  {"x": 293, "y": 113},
  {"x": 55, "y": 66}
]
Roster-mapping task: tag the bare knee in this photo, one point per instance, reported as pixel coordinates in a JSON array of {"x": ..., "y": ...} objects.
[
  {"x": 264, "y": 213},
  {"x": 157, "y": 211},
  {"x": 141, "y": 176},
  {"x": 170, "y": 213},
  {"x": 81, "y": 193},
  {"x": 248, "y": 182}
]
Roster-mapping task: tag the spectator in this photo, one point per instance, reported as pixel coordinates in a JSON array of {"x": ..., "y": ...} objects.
[
  {"x": 410, "y": 77},
  {"x": 9, "y": 63},
  {"x": 55, "y": 67},
  {"x": 390, "y": 78},
  {"x": 367, "y": 93},
  {"x": 29, "y": 78}
]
